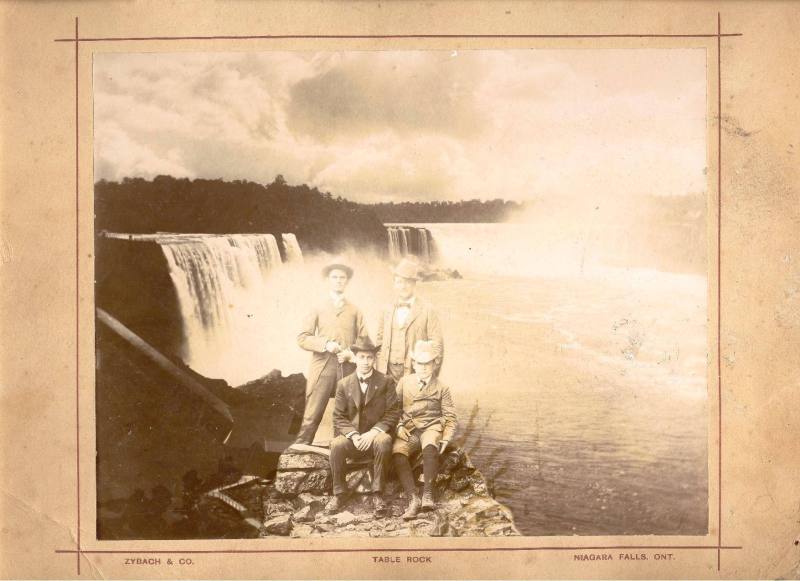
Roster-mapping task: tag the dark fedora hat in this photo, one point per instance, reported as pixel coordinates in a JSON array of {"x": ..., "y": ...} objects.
[{"x": 363, "y": 344}]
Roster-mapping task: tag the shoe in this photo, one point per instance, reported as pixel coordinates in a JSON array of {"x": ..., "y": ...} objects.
[
  {"x": 427, "y": 500},
  {"x": 413, "y": 508},
  {"x": 335, "y": 504},
  {"x": 379, "y": 505}
]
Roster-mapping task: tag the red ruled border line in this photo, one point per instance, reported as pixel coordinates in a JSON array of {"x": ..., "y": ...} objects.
[
  {"x": 379, "y": 36},
  {"x": 719, "y": 35},
  {"x": 77, "y": 299},
  {"x": 390, "y": 550},
  {"x": 719, "y": 286}
]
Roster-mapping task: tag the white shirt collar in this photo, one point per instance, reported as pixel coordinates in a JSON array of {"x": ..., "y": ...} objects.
[
  {"x": 336, "y": 297},
  {"x": 410, "y": 301}
]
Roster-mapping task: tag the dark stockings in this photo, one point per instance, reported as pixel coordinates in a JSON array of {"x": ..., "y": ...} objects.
[{"x": 430, "y": 466}]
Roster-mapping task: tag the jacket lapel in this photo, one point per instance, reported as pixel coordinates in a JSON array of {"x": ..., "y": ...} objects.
[
  {"x": 420, "y": 393},
  {"x": 355, "y": 390},
  {"x": 371, "y": 388},
  {"x": 416, "y": 309}
]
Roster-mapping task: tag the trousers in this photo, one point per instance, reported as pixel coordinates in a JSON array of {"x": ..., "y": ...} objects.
[
  {"x": 343, "y": 448},
  {"x": 317, "y": 399}
]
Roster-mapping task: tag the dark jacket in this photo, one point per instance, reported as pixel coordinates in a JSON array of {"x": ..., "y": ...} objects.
[{"x": 381, "y": 407}]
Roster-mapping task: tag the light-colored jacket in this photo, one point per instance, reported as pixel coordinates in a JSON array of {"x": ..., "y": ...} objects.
[
  {"x": 326, "y": 323},
  {"x": 422, "y": 324},
  {"x": 430, "y": 408}
]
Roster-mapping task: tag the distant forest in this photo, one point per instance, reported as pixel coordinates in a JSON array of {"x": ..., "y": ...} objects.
[
  {"x": 463, "y": 211},
  {"x": 168, "y": 204}
]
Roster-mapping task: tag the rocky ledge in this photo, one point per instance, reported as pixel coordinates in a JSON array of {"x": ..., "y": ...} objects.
[{"x": 292, "y": 504}]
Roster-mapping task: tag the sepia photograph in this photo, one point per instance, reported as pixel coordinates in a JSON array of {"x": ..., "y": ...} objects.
[{"x": 401, "y": 293}]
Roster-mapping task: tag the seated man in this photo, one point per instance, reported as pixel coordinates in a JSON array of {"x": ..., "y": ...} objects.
[
  {"x": 364, "y": 416},
  {"x": 427, "y": 422}
]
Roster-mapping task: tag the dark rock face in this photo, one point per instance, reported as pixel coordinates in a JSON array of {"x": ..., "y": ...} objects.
[
  {"x": 160, "y": 448},
  {"x": 132, "y": 283}
]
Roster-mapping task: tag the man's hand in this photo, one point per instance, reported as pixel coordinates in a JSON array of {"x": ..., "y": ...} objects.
[
  {"x": 344, "y": 355},
  {"x": 332, "y": 347},
  {"x": 401, "y": 429},
  {"x": 364, "y": 441},
  {"x": 442, "y": 446}
]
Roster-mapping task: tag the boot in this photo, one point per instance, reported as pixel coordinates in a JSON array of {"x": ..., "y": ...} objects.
[
  {"x": 413, "y": 508},
  {"x": 427, "y": 500},
  {"x": 379, "y": 505},
  {"x": 335, "y": 504}
]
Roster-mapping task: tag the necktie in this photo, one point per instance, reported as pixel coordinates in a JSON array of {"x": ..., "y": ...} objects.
[
  {"x": 422, "y": 384},
  {"x": 402, "y": 304}
]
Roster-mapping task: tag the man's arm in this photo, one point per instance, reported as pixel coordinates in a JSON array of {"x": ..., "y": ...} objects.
[
  {"x": 308, "y": 338},
  {"x": 449, "y": 415},
  {"x": 379, "y": 337},
  {"x": 391, "y": 414},
  {"x": 341, "y": 423},
  {"x": 434, "y": 329}
]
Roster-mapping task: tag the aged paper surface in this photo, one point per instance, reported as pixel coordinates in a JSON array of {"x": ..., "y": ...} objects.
[{"x": 47, "y": 397}]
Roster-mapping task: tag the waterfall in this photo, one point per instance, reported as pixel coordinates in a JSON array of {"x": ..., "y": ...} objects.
[
  {"x": 292, "y": 248},
  {"x": 223, "y": 284},
  {"x": 410, "y": 241}
]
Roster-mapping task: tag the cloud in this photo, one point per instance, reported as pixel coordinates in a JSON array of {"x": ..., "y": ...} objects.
[
  {"x": 411, "y": 125},
  {"x": 408, "y": 93}
]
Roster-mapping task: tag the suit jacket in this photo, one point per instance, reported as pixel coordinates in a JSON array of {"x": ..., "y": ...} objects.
[
  {"x": 429, "y": 408},
  {"x": 326, "y": 323},
  {"x": 381, "y": 407},
  {"x": 422, "y": 324}
]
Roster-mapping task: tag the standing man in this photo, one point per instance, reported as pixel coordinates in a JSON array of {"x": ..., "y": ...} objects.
[
  {"x": 366, "y": 412},
  {"x": 427, "y": 424},
  {"x": 408, "y": 320},
  {"x": 327, "y": 332}
]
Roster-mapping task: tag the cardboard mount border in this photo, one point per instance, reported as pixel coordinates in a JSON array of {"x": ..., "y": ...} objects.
[{"x": 719, "y": 35}]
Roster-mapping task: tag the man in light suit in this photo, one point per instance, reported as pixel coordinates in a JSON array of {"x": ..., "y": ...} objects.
[
  {"x": 427, "y": 424},
  {"x": 408, "y": 320},
  {"x": 328, "y": 331},
  {"x": 365, "y": 415}
]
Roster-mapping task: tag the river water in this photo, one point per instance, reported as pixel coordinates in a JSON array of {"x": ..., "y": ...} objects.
[{"x": 586, "y": 385}]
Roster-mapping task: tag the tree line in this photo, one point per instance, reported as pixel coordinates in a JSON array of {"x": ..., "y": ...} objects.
[{"x": 496, "y": 210}]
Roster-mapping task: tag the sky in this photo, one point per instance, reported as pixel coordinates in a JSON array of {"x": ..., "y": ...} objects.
[{"x": 411, "y": 125}]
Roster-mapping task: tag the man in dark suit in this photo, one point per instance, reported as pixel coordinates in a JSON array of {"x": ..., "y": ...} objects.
[
  {"x": 365, "y": 414},
  {"x": 408, "y": 320}
]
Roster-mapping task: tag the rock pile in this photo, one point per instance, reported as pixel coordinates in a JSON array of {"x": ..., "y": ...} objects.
[{"x": 293, "y": 504}]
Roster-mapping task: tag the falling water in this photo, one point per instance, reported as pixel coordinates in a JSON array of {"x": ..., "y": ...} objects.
[
  {"x": 223, "y": 286},
  {"x": 410, "y": 241},
  {"x": 292, "y": 248}
]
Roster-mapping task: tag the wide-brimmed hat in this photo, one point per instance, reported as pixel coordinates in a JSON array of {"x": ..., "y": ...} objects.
[
  {"x": 337, "y": 264},
  {"x": 363, "y": 344},
  {"x": 407, "y": 269},
  {"x": 423, "y": 352}
]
